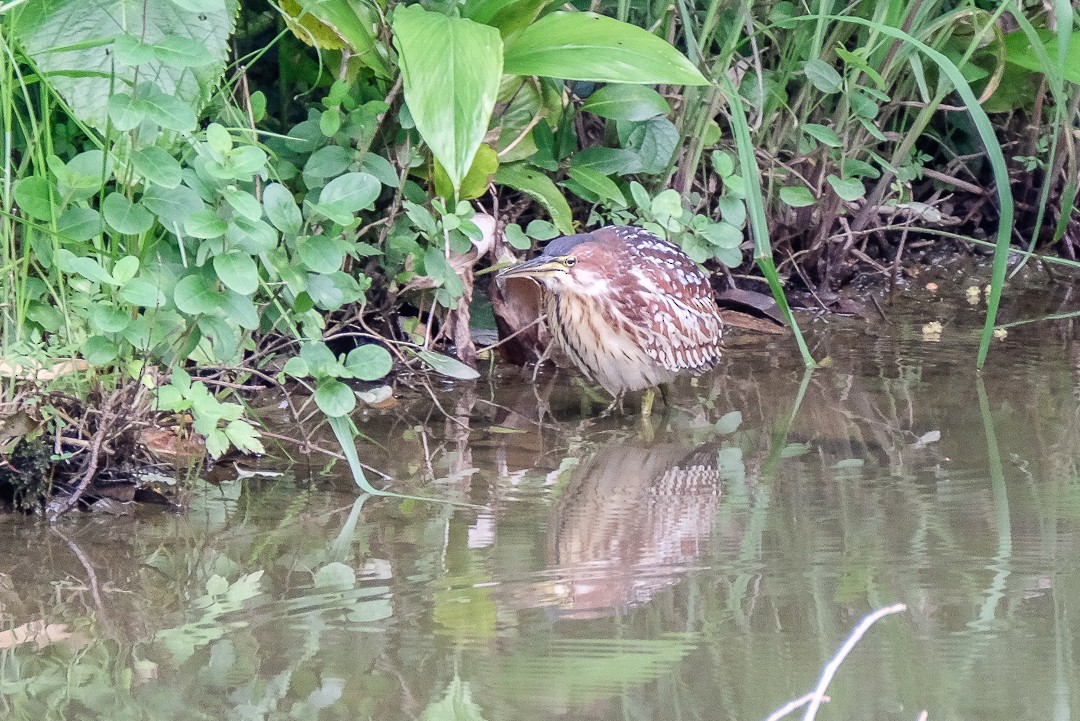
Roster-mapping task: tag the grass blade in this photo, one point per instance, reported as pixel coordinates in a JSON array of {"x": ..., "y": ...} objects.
[{"x": 755, "y": 206}]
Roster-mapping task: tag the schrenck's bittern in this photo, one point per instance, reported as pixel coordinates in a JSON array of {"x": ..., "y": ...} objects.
[{"x": 631, "y": 310}]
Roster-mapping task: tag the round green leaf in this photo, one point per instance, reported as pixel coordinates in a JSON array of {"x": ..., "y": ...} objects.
[
  {"x": 320, "y": 253},
  {"x": 237, "y": 271},
  {"x": 351, "y": 192},
  {"x": 848, "y": 188},
  {"x": 142, "y": 292},
  {"x": 32, "y": 195},
  {"x": 108, "y": 318},
  {"x": 126, "y": 217},
  {"x": 332, "y": 291},
  {"x": 125, "y": 269},
  {"x": 334, "y": 398},
  {"x": 244, "y": 203},
  {"x": 281, "y": 209},
  {"x": 195, "y": 294},
  {"x": 172, "y": 206},
  {"x": 79, "y": 224},
  {"x": 369, "y": 362},
  {"x": 797, "y": 196},
  {"x": 157, "y": 166},
  {"x": 124, "y": 113},
  {"x": 205, "y": 224},
  {"x": 99, "y": 351}
]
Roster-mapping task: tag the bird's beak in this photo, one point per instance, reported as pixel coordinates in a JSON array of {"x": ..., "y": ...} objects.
[{"x": 538, "y": 267}]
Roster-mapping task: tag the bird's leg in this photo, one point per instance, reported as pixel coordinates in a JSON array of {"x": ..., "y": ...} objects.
[
  {"x": 664, "y": 394},
  {"x": 616, "y": 404},
  {"x": 647, "y": 400}
]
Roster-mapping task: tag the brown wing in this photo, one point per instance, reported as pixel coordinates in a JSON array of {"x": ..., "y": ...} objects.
[{"x": 669, "y": 302}]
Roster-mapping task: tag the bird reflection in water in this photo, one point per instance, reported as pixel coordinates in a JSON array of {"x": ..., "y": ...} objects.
[{"x": 631, "y": 521}]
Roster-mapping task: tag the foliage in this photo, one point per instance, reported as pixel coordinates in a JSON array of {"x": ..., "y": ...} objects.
[{"x": 159, "y": 213}]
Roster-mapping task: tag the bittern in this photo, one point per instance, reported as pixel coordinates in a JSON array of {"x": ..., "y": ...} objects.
[{"x": 631, "y": 310}]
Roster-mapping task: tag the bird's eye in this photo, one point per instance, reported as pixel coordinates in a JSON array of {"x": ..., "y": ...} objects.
[{"x": 569, "y": 261}]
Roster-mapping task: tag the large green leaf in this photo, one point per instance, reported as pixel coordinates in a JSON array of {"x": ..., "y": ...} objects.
[
  {"x": 540, "y": 188},
  {"x": 333, "y": 24},
  {"x": 71, "y": 43},
  {"x": 587, "y": 46},
  {"x": 451, "y": 69}
]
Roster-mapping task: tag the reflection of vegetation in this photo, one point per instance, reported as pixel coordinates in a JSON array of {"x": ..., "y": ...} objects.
[{"x": 400, "y": 611}]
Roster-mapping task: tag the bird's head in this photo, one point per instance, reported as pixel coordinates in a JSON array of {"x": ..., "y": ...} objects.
[{"x": 574, "y": 263}]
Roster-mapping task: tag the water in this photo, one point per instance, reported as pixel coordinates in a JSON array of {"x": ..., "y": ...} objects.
[{"x": 704, "y": 570}]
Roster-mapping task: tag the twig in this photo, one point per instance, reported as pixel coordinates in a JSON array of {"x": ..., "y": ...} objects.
[
  {"x": 792, "y": 705},
  {"x": 834, "y": 665},
  {"x": 815, "y": 698},
  {"x": 59, "y": 507}
]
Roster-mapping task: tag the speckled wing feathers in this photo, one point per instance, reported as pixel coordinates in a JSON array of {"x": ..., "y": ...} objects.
[{"x": 667, "y": 303}]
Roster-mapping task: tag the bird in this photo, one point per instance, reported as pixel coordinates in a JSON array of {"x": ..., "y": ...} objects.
[{"x": 631, "y": 310}]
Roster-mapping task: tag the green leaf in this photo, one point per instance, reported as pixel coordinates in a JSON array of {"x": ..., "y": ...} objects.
[
  {"x": 849, "y": 189},
  {"x": 65, "y": 42},
  {"x": 608, "y": 161},
  {"x": 732, "y": 209},
  {"x": 281, "y": 209},
  {"x": 334, "y": 398},
  {"x": 32, "y": 195},
  {"x": 168, "y": 111},
  {"x": 99, "y": 351},
  {"x": 447, "y": 366},
  {"x": 237, "y": 271},
  {"x": 157, "y": 166},
  {"x": 125, "y": 269},
  {"x": 195, "y": 294},
  {"x": 369, "y": 362},
  {"x": 243, "y": 202},
  {"x": 172, "y": 207},
  {"x": 177, "y": 51},
  {"x": 516, "y": 237},
  {"x": 626, "y": 102},
  {"x": 587, "y": 46},
  {"x": 205, "y": 224},
  {"x": 797, "y": 196},
  {"x": 350, "y": 193},
  {"x": 451, "y": 69},
  {"x": 143, "y": 293},
  {"x": 244, "y": 436},
  {"x": 334, "y": 290},
  {"x": 79, "y": 224},
  {"x": 655, "y": 141},
  {"x": 599, "y": 184},
  {"x": 124, "y": 113},
  {"x": 320, "y": 253},
  {"x": 823, "y": 134},
  {"x": 108, "y": 318},
  {"x": 123, "y": 216},
  {"x": 541, "y": 189},
  {"x": 86, "y": 267},
  {"x": 823, "y": 76},
  {"x": 541, "y": 230}
]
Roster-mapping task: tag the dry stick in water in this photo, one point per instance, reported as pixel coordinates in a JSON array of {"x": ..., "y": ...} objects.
[{"x": 814, "y": 699}]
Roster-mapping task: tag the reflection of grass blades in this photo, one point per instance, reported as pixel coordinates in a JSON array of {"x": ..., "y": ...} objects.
[
  {"x": 346, "y": 437},
  {"x": 755, "y": 206},
  {"x": 993, "y": 152}
]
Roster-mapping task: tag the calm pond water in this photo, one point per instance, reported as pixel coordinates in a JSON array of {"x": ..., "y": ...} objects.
[{"x": 707, "y": 572}]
